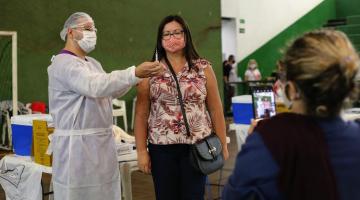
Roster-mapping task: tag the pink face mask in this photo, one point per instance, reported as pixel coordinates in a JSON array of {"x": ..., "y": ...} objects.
[{"x": 173, "y": 45}]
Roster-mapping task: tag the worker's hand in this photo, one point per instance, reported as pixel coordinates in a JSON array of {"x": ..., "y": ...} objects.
[
  {"x": 144, "y": 162},
  {"x": 149, "y": 69},
  {"x": 225, "y": 152},
  {"x": 253, "y": 125}
]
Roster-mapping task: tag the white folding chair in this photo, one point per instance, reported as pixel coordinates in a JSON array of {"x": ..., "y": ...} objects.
[
  {"x": 119, "y": 110},
  {"x": 126, "y": 169},
  {"x": 133, "y": 114}
]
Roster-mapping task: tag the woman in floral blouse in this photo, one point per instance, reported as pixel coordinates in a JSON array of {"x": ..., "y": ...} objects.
[{"x": 159, "y": 119}]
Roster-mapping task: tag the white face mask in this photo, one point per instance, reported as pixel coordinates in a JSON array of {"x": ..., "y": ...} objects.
[
  {"x": 88, "y": 42},
  {"x": 252, "y": 66}
]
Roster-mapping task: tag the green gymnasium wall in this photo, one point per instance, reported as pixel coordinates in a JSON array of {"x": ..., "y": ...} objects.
[
  {"x": 126, "y": 34},
  {"x": 269, "y": 53},
  {"x": 346, "y": 8}
]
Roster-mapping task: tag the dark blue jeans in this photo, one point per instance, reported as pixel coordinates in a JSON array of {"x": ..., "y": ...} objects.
[{"x": 174, "y": 177}]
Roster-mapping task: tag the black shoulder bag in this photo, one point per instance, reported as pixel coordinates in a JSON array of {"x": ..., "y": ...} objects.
[{"x": 205, "y": 155}]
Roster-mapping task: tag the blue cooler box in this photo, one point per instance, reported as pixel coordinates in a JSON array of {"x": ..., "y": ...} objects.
[
  {"x": 242, "y": 109},
  {"x": 21, "y": 126}
]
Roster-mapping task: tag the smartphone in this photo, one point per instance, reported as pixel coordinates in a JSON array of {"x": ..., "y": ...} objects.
[{"x": 263, "y": 102}]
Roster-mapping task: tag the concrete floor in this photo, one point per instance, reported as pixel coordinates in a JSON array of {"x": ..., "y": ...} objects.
[{"x": 142, "y": 185}]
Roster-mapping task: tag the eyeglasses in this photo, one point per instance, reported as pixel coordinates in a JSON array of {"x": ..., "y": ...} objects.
[
  {"x": 86, "y": 28},
  {"x": 177, "y": 34}
]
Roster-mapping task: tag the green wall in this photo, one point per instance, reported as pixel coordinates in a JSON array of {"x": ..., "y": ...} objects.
[
  {"x": 269, "y": 53},
  {"x": 126, "y": 34},
  {"x": 346, "y": 8}
]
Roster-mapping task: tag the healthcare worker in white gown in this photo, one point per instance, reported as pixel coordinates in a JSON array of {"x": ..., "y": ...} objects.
[{"x": 85, "y": 164}]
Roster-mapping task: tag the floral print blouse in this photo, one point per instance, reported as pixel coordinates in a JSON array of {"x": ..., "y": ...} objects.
[{"x": 165, "y": 123}]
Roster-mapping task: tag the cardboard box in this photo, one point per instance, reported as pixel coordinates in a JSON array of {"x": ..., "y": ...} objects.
[{"x": 41, "y": 132}]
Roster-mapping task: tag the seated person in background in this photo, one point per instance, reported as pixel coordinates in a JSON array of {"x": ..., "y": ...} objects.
[
  {"x": 310, "y": 153},
  {"x": 252, "y": 73}
]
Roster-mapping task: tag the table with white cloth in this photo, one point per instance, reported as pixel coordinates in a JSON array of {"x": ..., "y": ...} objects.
[
  {"x": 351, "y": 114},
  {"x": 241, "y": 132},
  {"x": 21, "y": 177},
  {"x": 127, "y": 164}
]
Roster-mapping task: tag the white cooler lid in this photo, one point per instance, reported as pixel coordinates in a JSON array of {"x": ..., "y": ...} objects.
[
  {"x": 242, "y": 99},
  {"x": 27, "y": 120}
]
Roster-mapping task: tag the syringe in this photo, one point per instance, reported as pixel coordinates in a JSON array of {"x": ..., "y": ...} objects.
[{"x": 156, "y": 55}]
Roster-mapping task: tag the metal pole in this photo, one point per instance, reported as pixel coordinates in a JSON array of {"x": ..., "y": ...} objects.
[
  {"x": 13, "y": 35},
  {"x": 14, "y": 74}
]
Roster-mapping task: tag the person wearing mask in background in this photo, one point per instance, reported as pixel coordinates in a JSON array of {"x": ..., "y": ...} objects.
[
  {"x": 275, "y": 73},
  {"x": 310, "y": 153},
  {"x": 85, "y": 163},
  {"x": 159, "y": 118},
  {"x": 280, "y": 80},
  {"x": 252, "y": 72},
  {"x": 229, "y": 72}
]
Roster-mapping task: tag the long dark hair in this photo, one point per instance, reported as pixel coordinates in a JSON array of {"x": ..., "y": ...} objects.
[{"x": 189, "y": 50}]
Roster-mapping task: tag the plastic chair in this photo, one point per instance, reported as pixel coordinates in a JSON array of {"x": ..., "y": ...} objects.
[
  {"x": 126, "y": 169},
  {"x": 119, "y": 110},
  {"x": 133, "y": 114}
]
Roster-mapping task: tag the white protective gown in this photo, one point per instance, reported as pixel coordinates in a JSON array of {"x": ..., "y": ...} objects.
[{"x": 85, "y": 164}]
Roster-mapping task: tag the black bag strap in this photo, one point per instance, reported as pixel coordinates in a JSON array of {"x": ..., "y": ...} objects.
[{"x": 179, "y": 97}]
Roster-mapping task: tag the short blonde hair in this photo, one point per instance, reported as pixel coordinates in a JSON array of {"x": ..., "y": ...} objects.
[
  {"x": 252, "y": 61},
  {"x": 323, "y": 65}
]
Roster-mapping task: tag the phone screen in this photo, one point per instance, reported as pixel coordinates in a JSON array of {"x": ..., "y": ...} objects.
[{"x": 263, "y": 102}]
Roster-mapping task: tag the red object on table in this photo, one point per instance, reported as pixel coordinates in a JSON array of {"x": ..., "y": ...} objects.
[{"x": 38, "y": 106}]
